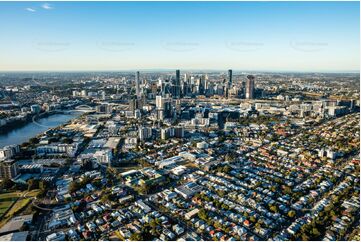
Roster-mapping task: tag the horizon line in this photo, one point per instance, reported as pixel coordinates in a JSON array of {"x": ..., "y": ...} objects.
[{"x": 188, "y": 69}]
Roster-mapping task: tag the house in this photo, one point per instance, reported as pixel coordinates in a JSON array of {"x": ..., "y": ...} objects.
[
  {"x": 143, "y": 206},
  {"x": 169, "y": 234},
  {"x": 178, "y": 229},
  {"x": 246, "y": 223},
  {"x": 91, "y": 226},
  {"x": 125, "y": 232}
]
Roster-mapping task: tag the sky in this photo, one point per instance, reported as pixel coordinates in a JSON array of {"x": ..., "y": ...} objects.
[{"x": 250, "y": 36}]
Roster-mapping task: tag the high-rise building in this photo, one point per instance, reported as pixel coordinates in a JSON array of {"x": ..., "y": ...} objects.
[
  {"x": 154, "y": 88},
  {"x": 103, "y": 95},
  {"x": 144, "y": 133},
  {"x": 8, "y": 169},
  {"x": 159, "y": 102},
  {"x": 9, "y": 151},
  {"x": 167, "y": 133},
  {"x": 133, "y": 104},
  {"x": 164, "y": 107},
  {"x": 230, "y": 78},
  {"x": 178, "y": 105},
  {"x": 137, "y": 83},
  {"x": 179, "y": 132},
  {"x": 186, "y": 78},
  {"x": 250, "y": 87},
  {"x": 104, "y": 108},
  {"x": 104, "y": 156},
  {"x": 177, "y": 85}
]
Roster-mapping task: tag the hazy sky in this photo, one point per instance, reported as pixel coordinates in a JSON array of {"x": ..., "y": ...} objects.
[{"x": 271, "y": 36}]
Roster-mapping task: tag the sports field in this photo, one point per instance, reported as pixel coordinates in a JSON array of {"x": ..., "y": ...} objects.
[{"x": 6, "y": 200}]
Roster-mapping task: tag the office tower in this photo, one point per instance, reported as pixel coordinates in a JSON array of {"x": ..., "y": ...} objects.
[
  {"x": 250, "y": 87},
  {"x": 145, "y": 133},
  {"x": 133, "y": 104},
  {"x": 229, "y": 78},
  {"x": 103, "y": 94},
  {"x": 178, "y": 106},
  {"x": 177, "y": 85},
  {"x": 167, "y": 104},
  {"x": 164, "y": 133},
  {"x": 104, "y": 108},
  {"x": 184, "y": 86},
  {"x": 186, "y": 78},
  {"x": 159, "y": 102},
  {"x": 179, "y": 132},
  {"x": 101, "y": 108},
  {"x": 154, "y": 88},
  {"x": 200, "y": 82},
  {"x": 137, "y": 83},
  {"x": 167, "y": 133},
  {"x": 164, "y": 107}
]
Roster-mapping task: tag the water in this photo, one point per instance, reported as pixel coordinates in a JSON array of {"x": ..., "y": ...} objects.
[{"x": 30, "y": 130}]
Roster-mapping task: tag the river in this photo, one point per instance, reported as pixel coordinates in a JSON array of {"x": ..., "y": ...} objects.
[{"x": 30, "y": 130}]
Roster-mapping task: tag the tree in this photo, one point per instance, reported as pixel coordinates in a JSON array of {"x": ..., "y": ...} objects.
[
  {"x": 273, "y": 209},
  {"x": 225, "y": 206},
  {"x": 43, "y": 185},
  {"x": 74, "y": 186},
  {"x": 144, "y": 188},
  {"x": 105, "y": 198},
  {"x": 227, "y": 169},
  {"x": 220, "y": 193},
  {"x": 229, "y": 157},
  {"x": 98, "y": 183},
  {"x": 291, "y": 213},
  {"x": 217, "y": 225},
  {"x": 315, "y": 232},
  {"x": 136, "y": 237},
  {"x": 304, "y": 237},
  {"x": 68, "y": 140},
  {"x": 153, "y": 223},
  {"x": 6, "y": 184},
  {"x": 33, "y": 184},
  {"x": 202, "y": 214},
  {"x": 34, "y": 141}
]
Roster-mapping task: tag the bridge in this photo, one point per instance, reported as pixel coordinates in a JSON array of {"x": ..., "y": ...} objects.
[{"x": 84, "y": 108}]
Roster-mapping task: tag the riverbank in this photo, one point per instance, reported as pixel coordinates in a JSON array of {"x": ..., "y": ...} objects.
[
  {"x": 28, "y": 119},
  {"x": 27, "y": 131}
]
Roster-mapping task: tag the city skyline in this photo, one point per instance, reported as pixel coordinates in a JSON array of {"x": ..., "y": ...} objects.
[{"x": 120, "y": 36}]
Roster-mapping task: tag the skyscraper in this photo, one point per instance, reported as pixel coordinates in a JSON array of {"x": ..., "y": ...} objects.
[
  {"x": 230, "y": 78},
  {"x": 177, "y": 85},
  {"x": 159, "y": 102},
  {"x": 164, "y": 107},
  {"x": 250, "y": 87},
  {"x": 137, "y": 83},
  {"x": 133, "y": 104}
]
